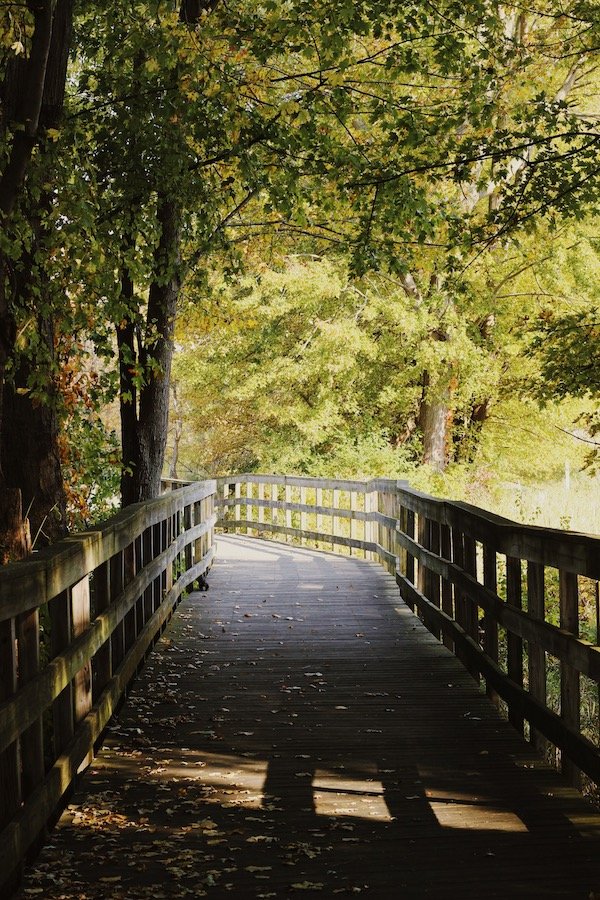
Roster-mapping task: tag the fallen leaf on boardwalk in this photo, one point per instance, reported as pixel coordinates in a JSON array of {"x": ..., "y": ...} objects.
[
  {"x": 307, "y": 886},
  {"x": 259, "y": 868},
  {"x": 258, "y": 838},
  {"x": 341, "y": 707}
]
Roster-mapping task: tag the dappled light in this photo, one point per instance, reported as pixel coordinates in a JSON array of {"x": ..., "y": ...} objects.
[{"x": 294, "y": 736}]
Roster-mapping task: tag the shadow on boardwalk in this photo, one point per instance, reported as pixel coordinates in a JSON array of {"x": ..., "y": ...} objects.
[{"x": 297, "y": 732}]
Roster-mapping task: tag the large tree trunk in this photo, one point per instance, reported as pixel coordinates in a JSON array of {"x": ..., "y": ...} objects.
[
  {"x": 32, "y": 94},
  {"x": 433, "y": 420},
  {"x": 31, "y": 451}
]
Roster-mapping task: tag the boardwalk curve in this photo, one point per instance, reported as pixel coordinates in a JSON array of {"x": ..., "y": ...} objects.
[{"x": 298, "y": 732}]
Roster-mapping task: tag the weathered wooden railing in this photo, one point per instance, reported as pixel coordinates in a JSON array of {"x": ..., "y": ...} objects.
[
  {"x": 76, "y": 622},
  {"x": 482, "y": 584}
]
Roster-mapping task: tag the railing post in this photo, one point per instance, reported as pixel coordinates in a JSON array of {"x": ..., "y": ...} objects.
[{"x": 569, "y": 677}]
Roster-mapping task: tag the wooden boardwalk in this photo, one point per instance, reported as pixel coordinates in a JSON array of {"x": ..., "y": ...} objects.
[{"x": 297, "y": 732}]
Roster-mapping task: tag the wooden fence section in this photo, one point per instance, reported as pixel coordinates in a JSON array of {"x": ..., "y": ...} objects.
[
  {"x": 76, "y": 622},
  {"x": 505, "y": 598}
]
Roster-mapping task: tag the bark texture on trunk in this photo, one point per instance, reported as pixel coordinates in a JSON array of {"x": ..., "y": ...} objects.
[
  {"x": 145, "y": 412},
  {"x": 32, "y": 94},
  {"x": 433, "y": 419}
]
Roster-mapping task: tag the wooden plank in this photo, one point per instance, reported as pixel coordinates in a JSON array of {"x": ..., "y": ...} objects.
[
  {"x": 335, "y": 748},
  {"x": 576, "y": 747}
]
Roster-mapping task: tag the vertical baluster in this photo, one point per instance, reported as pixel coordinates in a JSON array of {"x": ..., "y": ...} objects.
[
  {"x": 118, "y": 635},
  {"x": 335, "y": 519},
  {"x": 138, "y": 565},
  {"x": 514, "y": 644},
  {"x": 460, "y": 610},
  {"x": 319, "y": 502},
  {"x": 32, "y": 740},
  {"x": 188, "y": 522},
  {"x": 147, "y": 556},
  {"x": 471, "y": 606},
  {"x": 237, "y": 508},
  {"x": 102, "y": 662},
  {"x": 61, "y": 625},
  {"x": 433, "y": 579},
  {"x": 410, "y": 559},
  {"x": 261, "y": 509},
  {"x": 536, "y": 654},
  {"x": 303, "y": 514},
  {"x": 569, "y": 677},
  {"x": 156, "y": 551},
  {"x": 82, "y": 683},
  {"x": 423, "y": 574},
  {"x": 274, "y": 499},
  {"x": 167, "y": 539},
  {"x": 10, "y": 776},
  {"x": 490, "y": 623},
  {"x": 447, "y": 593},
  {"x": 353, "y": 521},
  {"x": 130, "y": 625},
  {"x": 288, "y": 512}
]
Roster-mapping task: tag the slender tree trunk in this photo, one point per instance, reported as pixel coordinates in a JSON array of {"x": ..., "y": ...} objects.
[
  {"x": 177, "y": 432},
  {"x": 145, "y": 410},
  {"x": 162, "y": 308}
]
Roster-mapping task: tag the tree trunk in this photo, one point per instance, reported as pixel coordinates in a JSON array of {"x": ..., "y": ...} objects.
[
  {"x": 145, "y": 412},
  {"x": 433, "y": 420},
  {"x": 30, "y": 472},
  {"x": 31, "y": 460},
  {"x": 177, "y": 433}
]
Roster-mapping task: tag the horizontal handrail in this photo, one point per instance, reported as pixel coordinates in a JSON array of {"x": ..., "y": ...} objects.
[
  {"x": 76, "y": 622},
  {"x": 480, "y": 582}
]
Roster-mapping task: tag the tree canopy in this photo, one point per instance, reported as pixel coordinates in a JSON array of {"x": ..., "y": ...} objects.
[{"x": 347, "y": 202}]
